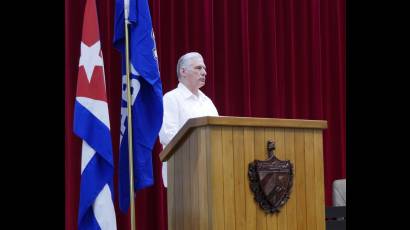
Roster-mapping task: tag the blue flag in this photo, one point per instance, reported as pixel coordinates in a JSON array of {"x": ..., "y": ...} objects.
[{"x": 146, "y": 93}]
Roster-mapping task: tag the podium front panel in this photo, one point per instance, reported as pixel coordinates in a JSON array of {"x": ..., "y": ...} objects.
[{"x": 208, "y": 185}]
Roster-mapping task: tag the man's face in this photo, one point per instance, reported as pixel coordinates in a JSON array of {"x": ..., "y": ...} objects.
[{"x": 195, "y": 74}]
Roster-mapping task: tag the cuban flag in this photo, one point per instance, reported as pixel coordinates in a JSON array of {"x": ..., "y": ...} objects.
[
  {"x": 146, "y": 95},
  {"x": 92, "y": 125}
]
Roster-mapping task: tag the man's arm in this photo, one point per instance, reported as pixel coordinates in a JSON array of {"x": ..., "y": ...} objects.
[{"x": 170, "y": 123}]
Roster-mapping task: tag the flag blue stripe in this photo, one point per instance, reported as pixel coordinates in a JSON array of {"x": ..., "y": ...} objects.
[
  {"x": 93, "y": 131},
  {"x": 88, "y": 221}
]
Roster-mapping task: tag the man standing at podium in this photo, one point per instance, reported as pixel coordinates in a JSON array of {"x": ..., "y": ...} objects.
[{"x": 186, "y": 101}]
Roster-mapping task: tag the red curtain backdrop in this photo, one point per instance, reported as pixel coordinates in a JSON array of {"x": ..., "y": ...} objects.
[{"x": 265, "y": 58}]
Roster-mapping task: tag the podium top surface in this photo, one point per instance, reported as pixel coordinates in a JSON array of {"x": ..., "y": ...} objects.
[{"x": 241, "y": 122}]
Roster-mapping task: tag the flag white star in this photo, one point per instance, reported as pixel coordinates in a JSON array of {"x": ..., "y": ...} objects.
[{"x": 90, "y": 58}]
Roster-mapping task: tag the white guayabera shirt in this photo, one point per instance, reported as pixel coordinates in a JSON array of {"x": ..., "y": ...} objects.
[{"x": 180, "y": 105}]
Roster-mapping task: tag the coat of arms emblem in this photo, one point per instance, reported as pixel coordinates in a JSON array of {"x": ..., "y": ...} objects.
[{"x": 271, "y": 180}]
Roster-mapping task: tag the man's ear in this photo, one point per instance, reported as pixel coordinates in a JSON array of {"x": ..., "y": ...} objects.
[{"x": 182, "y": 70}]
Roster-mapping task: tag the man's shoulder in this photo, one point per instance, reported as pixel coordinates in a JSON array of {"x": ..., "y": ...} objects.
[{"x": 171, "y": 93}]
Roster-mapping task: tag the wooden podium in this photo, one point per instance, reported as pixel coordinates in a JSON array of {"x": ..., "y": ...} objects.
[{"x": 208, "y": 185}]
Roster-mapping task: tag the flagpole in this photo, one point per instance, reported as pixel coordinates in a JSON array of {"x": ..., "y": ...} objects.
[{"x": 130, "y": 150}]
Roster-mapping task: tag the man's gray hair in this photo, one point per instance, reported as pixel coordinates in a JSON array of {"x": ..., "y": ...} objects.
[{"x": 186, "y": 59}]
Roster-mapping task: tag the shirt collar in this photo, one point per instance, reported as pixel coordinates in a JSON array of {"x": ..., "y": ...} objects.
[{"x": 186, "y": 93}]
